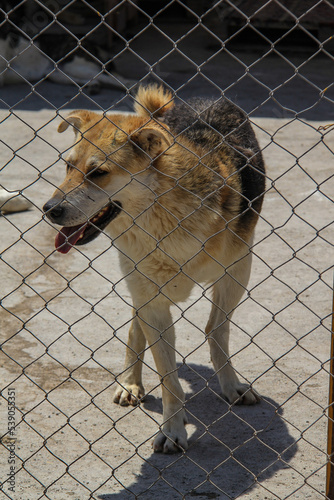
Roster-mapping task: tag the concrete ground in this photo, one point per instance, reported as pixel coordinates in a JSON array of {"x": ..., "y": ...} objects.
[{"x": 64, "y": 319}]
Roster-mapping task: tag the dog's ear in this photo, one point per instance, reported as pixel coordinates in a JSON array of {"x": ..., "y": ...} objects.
[
  {"x": 152, "y": 140},
  {"x": 77, "y": 119}
]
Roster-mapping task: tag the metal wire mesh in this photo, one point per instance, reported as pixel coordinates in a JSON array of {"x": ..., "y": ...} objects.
[{"x": 64, "y": 320}]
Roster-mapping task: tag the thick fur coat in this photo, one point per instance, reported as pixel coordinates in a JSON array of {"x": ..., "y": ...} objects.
[{"x": 178, "y": 187}]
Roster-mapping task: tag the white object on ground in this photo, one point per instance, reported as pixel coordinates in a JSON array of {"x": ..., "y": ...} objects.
[{"x": 13, "y": 202}]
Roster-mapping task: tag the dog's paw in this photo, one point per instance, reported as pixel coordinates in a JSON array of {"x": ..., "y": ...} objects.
[
  {"x": 241, "y": 394},
  {"x": 129, "y": 394},
  {"x": 173, "y": 436},
  {"x": 170, "y": 442}
]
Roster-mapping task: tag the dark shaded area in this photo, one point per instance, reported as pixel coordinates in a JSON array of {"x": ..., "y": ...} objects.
[
  {"x": 231, "y": 450},
  {"x": 273, "y": 66}
]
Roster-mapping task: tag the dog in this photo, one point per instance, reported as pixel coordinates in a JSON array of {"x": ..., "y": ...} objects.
[{"x": 178, "y": 187}]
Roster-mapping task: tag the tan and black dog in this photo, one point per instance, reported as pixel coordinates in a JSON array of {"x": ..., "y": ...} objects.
[{"x": 178, "y": 187}]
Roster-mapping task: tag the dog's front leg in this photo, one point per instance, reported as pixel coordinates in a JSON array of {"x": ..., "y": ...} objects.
[
  {"x": 131, "y": 390},
  {"x": 157, "y": 325}
]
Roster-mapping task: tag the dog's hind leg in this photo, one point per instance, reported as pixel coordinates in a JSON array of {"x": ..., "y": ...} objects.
[
  {"x": 227, "y": 293},
  {"x": 131, "y": 390}
]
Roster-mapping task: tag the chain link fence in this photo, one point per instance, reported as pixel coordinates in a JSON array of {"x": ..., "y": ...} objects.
[{"x": 65, "y": 319}]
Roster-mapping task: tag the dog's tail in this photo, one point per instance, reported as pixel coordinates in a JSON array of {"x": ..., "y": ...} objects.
[{"x": 153, "y": 101}]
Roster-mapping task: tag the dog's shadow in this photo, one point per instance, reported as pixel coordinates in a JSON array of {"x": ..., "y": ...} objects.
[{"x": 231, "y": 450}]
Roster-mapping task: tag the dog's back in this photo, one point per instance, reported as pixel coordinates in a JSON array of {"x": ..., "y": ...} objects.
[
  {"x": 220, "y": 128},
  {"x": 222, "y": 125}
]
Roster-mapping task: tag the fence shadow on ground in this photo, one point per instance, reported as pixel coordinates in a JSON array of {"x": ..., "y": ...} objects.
[{"x": 231, "y": 450}]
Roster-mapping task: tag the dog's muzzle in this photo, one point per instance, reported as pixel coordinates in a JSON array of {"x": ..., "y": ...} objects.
[
  {"x": 54, "y": 210},
  {"x": 82, "y": 233}
]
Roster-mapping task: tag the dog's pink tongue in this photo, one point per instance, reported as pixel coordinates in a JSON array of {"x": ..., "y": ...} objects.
[{"x": 67, "y": 237}]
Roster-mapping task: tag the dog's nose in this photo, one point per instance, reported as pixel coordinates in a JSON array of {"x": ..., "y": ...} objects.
[{"x": 53, "y": 210}]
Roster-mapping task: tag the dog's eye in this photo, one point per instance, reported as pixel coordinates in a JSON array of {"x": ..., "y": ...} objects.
[{"x": 98, "y": 172}]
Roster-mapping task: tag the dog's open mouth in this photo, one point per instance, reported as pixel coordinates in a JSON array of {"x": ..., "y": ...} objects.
[{"x": 84, "y": 233}]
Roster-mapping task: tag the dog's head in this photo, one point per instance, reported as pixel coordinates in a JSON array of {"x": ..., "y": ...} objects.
[{"x": 109, "y": 169}]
